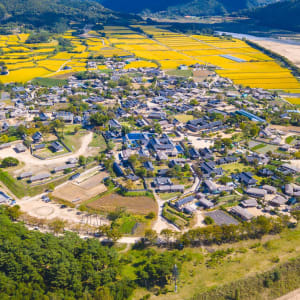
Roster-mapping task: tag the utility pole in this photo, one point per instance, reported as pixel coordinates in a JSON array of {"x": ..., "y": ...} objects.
[{"x": 175, "y": 276}]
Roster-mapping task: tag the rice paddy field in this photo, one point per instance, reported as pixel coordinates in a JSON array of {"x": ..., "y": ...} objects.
[{"x": 155, "y": 46}]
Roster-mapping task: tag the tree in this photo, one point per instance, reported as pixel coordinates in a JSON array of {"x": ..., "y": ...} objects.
[
  {"x": 194, "y": 102},
  {"x": 103, "y": 293},
  {"x": 167, "y": 234},
  {"x": 125, "y": 130},
  {"x": 9, "y": 162},
  {"x": 99, "y": 119},
  {"x": 133, "y": 159},
  {"x": 82, "y": 160},
  {"x": 14, "y": 212},
  {"x": 150, "y": 215},
  {"x": 110, "y": 146},
  {"x": 57, "y": 226},
  {"x": 129, "y": 184},
  {"x": 208, "y": 220},
  {"x": 157, "y": 128},
  {"x": 114, "y": 234},
  {"x": 151, "y": 236}
]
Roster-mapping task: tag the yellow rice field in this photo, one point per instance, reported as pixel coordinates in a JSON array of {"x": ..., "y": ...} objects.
[
  {"x": 141, "y": 64},
  {"x": 24, "y": 75},
  {"x": 293, "y": 100},
  {"x": 168, "y": 49}
]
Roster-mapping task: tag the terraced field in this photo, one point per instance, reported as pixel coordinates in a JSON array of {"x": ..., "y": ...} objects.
[
  {"x": 155, "y": 46},
  {"x": 27, "y": 61}
]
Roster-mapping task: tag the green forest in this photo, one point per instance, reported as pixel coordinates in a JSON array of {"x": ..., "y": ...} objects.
[
  {"x": 56, "y": 15},
  {"x": 35, "y": 265}
]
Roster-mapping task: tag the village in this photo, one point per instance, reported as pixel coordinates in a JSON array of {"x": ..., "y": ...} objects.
[{"x": 181, "y": 152}]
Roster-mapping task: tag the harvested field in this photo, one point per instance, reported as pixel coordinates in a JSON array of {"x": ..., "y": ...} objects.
[
  {"x": 292, "y": 52},
  {"x": 137, "y": 205},
  {"x": 89, "y": 188}
]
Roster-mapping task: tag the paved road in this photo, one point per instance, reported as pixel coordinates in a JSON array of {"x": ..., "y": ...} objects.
[{"x": 161, "y": 223}]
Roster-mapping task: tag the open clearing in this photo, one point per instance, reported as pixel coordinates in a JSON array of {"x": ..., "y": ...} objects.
[
  {"x": 258, "y": 258},
  {"x": 136, "y": 205},
  {"x": 87, "y": 189}
]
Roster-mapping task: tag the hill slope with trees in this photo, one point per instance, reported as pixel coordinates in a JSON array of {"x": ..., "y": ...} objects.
[
  {"x": 49, "y": 13},
  {"x": 184, "y": 7},
  {"x": 282, "y": 15}
]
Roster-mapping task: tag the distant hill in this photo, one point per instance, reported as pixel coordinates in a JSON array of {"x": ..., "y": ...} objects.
[
  {"x": 285, "y": 15},
  {"x": 42, "y": 13},
  {"x": 184, "y": 7}
]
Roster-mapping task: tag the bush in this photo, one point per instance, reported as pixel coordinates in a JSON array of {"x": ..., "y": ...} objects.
[
  {"x": 151, "y": 215},
  {"x": 208, "y": 220},
  {"x": 9, "y": 162}
]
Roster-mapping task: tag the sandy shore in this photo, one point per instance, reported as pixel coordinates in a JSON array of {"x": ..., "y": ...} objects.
[{"x": 292, "y": 52}]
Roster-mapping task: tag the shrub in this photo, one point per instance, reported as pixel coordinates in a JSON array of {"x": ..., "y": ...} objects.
[
  {"x": 208, "y": 220},
  {"x": 9, "y": 162}
]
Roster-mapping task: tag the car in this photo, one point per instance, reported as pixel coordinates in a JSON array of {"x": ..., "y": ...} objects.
[{"x": 63, "y": 206}]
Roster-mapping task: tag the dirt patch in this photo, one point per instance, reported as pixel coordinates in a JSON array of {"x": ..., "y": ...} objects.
[
  {"x": 200, "y": 75},
  {"x": 295, "y": 295},
  {"x": 93, "y": 181},
  {"x": 285, "y": 128},
  {"x": 136, "y": 205},
  {"x": 80, "y": 192},
  {"x": 44, "y": 211}
]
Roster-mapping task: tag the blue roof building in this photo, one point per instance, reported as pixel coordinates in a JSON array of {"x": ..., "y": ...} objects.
[{"x": 250, "y": 116}]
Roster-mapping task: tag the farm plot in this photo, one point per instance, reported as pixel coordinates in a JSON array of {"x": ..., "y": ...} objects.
[
  {"x": 83, "y": 191},
  {"x": 233, "y": 58},
  {"x": 141, "y": 205}
]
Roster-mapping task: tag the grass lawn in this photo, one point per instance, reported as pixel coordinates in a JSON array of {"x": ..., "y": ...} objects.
[
  {"x": 289, "y": 139},
  {"x": 239, "y": 167},
  {"x": 229, "y": 200},
  {"x": 180, "y": 73},
  {"x": 257, "y": 147},
  {"x": 247, "y": 259},
  {"x": 98, "y": 142},
  {"x": 48, "y": 153},
  {"x": 73, "y": 140},
  {"x": 49, "y": 82},
  {"x": 258, "y": 178},
  {"x": 126, "y": 224},
  {"x": 267, "y": 148},
  {"x": 68, "y": 129},
  {"x": 167, "y": 196},
  {"x": 183, "y": 118}
]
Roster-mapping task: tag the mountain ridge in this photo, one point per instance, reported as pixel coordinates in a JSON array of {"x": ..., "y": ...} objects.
[
  {"x": 48, "y": 13},
  {"x": 284, "y": 14},
  {"x": 182, "y": 7}
]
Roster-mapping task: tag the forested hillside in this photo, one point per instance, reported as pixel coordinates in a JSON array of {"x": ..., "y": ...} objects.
[
  {"x": 56, "y": 12},
  {"x": 184, "y": 7},
  {"x": 35, "y": 265},
  {"x": 282, "y": 15}
]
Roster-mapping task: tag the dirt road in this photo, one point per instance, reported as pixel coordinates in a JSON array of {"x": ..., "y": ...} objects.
[
  {"x": 295, "y": 295},
  {"x": 31, "y": 161}
]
